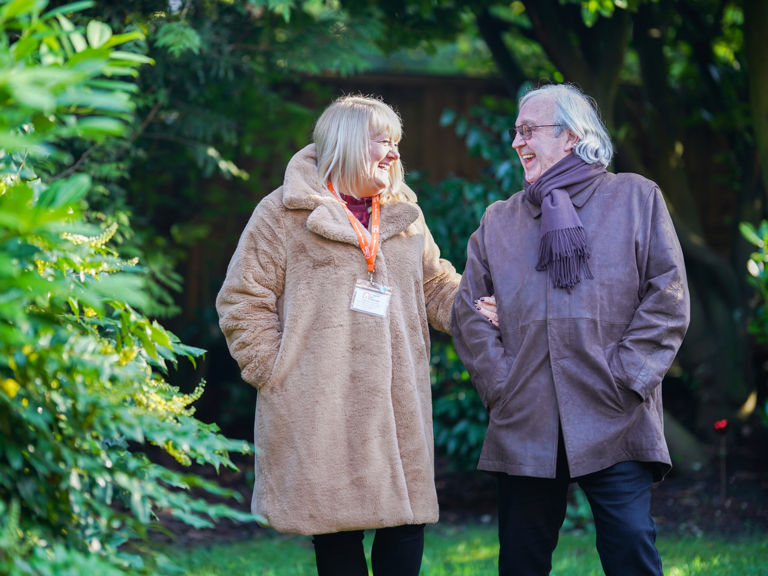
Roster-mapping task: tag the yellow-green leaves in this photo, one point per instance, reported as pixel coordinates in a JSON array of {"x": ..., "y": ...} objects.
[{"x": 82, "y": 367}]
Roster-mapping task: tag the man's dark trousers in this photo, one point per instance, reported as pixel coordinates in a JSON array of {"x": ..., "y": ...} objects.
[{"x": 532, "y": 510}]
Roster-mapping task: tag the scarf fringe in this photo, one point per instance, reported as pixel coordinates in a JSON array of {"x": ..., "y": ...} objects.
[{"x": 565, "y": 254}]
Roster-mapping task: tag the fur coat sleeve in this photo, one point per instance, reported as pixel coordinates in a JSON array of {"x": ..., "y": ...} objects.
[
  {"x": 248, "y": 300},
  {"x": 441, "y": 282}
]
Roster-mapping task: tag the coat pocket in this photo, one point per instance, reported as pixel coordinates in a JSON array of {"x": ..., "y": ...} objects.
[
  {"x": 626, "y": 398},
  {"x": 498, "y": 383}
]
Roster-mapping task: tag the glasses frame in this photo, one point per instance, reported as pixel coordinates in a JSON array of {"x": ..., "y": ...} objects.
[{"x": 520, "y": 130}]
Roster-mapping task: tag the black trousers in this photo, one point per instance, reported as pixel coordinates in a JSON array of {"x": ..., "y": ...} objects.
[
  {"x": 396, "y": 551},
  {"x": 532, "y": 510}
]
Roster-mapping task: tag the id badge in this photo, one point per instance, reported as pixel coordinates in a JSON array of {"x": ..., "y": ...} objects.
[{"x": 371, "y": 298}]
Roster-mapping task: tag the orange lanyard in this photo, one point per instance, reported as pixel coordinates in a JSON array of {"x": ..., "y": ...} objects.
[{"x": 368, "y": 248}]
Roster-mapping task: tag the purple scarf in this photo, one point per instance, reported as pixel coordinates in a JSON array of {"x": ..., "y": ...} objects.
[{"x": 563, "y": 249}]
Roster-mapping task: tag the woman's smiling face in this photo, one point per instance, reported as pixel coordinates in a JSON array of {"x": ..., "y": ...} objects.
[
  {"x": 383, "y": 153},
  {"x": 543, "y": 149}
]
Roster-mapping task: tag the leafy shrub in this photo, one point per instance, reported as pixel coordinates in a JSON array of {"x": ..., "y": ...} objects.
[
  {"x": 758, "y": 277},
  {"x": 82, "y": 369},
  {"x": 459, "y": 416}
]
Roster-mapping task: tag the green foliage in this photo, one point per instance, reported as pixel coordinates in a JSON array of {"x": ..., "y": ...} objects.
[
  {"x": 591, "y": 10},
  {"x": 460, "y": 419},
  {"x": 178, "y": 38},
  {"x": 281, "y": 7},
  {"x": 83, "y": 393},
  {"x": 758, "y": 276},
  {"x": 71, "y": 74},
  {"x": 410, "y": 24},
  {"x": 453, "y": 207},
  {"x": 578, "y": 515}
]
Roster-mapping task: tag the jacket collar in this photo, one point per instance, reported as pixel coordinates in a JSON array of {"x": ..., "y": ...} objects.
[
  {"x": 579, "y": 197},
  {"x": 303, "y": 190}
]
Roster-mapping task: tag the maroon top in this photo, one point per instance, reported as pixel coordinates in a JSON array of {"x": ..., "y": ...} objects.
[{"x": 360, "y": 207}]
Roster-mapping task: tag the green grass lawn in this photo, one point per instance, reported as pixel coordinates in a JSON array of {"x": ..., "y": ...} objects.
[{"x": 465, "y": 551}]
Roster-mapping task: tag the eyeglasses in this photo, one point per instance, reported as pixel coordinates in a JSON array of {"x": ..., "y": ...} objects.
[{"x": 526, "y": 130}]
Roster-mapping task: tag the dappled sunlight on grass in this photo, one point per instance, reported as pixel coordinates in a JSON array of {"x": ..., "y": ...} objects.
[
  {"x": 747, "y": 556},
  {"x": 576, "y": 555},
  {"x": 681, "y": 556},
  {"x": 471, "y": 551},
  {"x": 459, "y": 552}
]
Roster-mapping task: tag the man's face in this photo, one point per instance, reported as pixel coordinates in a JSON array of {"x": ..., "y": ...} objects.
[{"x": 542, "y": 150}]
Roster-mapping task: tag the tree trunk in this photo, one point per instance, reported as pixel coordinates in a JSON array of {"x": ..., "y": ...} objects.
[
  {"x": 591, "y": 58},
  {"x": 755, "y": 18}
]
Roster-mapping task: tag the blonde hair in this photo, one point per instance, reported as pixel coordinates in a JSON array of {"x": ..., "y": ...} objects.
[{"x": 342, "y": 139}]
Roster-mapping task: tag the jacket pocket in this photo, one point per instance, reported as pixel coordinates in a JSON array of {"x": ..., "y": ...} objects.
[
  {"x": 506, "y": 385},
  {"x": 626, "y": 398},
  {"x": 498, "y": 383}
]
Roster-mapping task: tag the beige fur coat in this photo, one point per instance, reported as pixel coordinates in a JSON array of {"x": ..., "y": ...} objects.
[{"x": 344, "y": 416}]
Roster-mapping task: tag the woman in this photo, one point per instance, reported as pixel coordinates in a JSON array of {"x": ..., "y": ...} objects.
[{"x": 325, "y": 307}]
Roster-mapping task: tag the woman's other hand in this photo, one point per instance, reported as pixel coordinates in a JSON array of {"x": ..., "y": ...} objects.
[{"x": 486, "y": 305}]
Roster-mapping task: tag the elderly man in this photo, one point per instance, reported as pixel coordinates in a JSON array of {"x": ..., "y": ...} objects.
[{"x": 592, "y": 306}]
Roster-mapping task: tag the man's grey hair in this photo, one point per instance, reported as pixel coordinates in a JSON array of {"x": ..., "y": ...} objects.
[{"x": 577, "y": 112}]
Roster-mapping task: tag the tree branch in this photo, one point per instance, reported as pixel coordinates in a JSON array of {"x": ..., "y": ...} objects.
[
  {"x": 491, "y": 29},
  {"x": 554, "y": 26}
]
